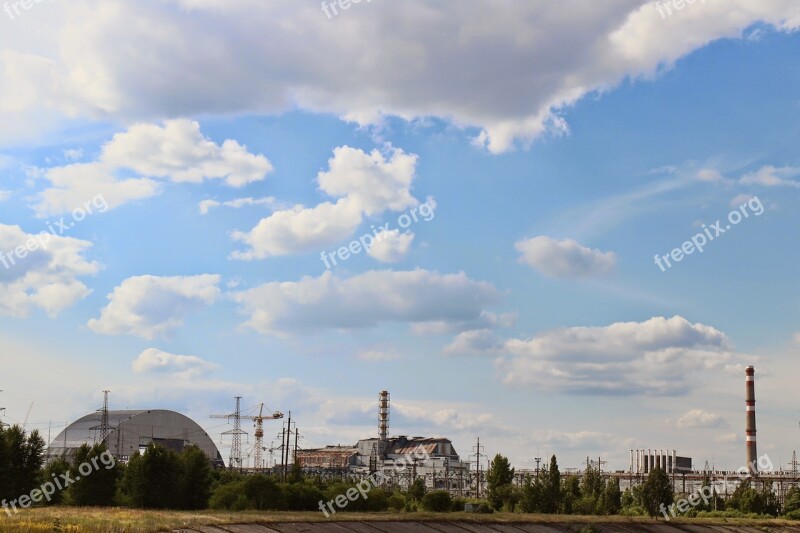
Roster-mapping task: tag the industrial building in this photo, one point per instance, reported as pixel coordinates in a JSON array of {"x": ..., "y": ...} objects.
[
  {"x": 130, "y": 431},
  {"x": 441, "y": 467}
]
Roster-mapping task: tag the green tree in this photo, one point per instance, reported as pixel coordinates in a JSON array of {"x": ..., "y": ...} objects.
[
  {"x": 152, "y": 479},
  {"x": 417, "y": 489},
  {"x": 21, "y": 460},
  {"x": 531, "y": 497},
  {"x": 195, "y": 479},
  {"x": 656, "y": 490},
  {"x": 499, "y": 479},
  {"x": 53, "y": 471},
  {"x": 296, "y": 473},
  {"x": 96, "y": 474},
  {"x": 612, "y": 497},
  {"x": 570, "y": 493},
  {"x": 792, "y": 502},
  {"x": 551, "y": 488}
]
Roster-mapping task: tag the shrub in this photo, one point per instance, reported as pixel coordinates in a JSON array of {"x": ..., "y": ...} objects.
[{"x": 437, "y": 501}]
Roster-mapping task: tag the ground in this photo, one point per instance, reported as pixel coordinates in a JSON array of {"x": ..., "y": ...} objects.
[{"x": 69, "y": 520}]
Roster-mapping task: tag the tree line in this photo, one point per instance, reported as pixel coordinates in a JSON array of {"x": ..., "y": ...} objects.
[{"x": 161, "y": 478}]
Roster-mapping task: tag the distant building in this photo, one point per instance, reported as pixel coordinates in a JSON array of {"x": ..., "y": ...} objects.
[{"x": 131, "y": 431}]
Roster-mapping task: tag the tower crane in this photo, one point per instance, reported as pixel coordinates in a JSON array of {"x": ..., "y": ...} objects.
[
  {"x": 258, "y": 461},
  {"x": 259, "y": 423}
]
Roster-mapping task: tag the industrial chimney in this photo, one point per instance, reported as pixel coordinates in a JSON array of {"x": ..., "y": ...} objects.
[
  {"x": 383, "y": 415},
  {"x": 750, "y": 411}
]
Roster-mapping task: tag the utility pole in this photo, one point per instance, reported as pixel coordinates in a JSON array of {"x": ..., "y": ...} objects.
[
  {"x": 478, "y": 449},
  {"x": 2, "y": 409},
  {"x": 286, "y": 448}
]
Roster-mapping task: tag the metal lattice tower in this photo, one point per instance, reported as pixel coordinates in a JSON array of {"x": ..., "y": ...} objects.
[
  {"x": 104, "y": 424},
  {"x": 235, "y": 460}
]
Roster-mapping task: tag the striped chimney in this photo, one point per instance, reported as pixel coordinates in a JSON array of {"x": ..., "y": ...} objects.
[{"x": 750, "y": 412}]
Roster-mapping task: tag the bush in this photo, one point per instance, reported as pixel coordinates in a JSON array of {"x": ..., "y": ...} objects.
[
  {"x": 437, "y": 501},
  {"x": 793, "y": 515},
  {"x": 227, "y": 497},
  {"x": 396, "y": 502}
]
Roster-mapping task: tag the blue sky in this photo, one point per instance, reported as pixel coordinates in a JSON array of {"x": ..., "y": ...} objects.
[{"x": 527, "y": 311}]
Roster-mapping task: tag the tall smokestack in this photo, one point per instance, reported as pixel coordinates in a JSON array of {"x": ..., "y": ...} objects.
[
  {"x": 383, "y": 415},
  {"x": 750, "y": 411}
]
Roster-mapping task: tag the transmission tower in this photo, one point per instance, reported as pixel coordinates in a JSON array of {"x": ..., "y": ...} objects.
[
  {"x": 104, "y": 428},
  {"x": 235, "y": 460}
]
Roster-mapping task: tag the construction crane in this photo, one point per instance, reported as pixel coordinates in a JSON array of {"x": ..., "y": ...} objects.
[
  {"x": 258, "y": 461},
  {"x": 259, "y": 424}
]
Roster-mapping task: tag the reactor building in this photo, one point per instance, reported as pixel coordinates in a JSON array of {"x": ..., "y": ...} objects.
[{"x": 130, "y": 431}]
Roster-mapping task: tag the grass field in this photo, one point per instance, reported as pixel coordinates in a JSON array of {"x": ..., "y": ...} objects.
[{"x": 71, "y": 519}]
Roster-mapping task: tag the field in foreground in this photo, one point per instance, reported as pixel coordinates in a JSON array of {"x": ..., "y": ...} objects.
[{"x": 69, "y": 520}]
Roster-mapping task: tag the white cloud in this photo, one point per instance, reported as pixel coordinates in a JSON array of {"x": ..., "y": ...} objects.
[
  {"x": 4, "y": 195},
  {"x": 151, "y": 306},
  {"x": 473, "y": 342},
  {"x": 425, "y": 59},
  {"x": 364, "y": 183},
  {"x": 179, "y": 152},
  {"x": 176, "y": 152},
  {"x": 697, "y": 418},
  {"x": 365, "y": 300},
  {"x": 739, "y": 199},
  {"x": 73, "y": 154},
  {"x": 153, "y": 360},
  {"x": 47, "y": 277},
  {"x": 659, "y": 356},
  {"x": 391, "y": 246},
  {"x": 710, "y": 175},
  {"x": 206, "y": 205},
  {"x": 770, "y": 176},
  {"x": 377, "y": 355},
  {"x": 565, "y": 258}
]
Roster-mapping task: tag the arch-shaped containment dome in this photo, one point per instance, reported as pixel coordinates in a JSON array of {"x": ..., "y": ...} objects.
[{"x": 131, "y": 431}]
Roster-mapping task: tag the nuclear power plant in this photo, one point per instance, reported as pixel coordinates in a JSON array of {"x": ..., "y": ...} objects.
[{"x": 397, "y": 460}]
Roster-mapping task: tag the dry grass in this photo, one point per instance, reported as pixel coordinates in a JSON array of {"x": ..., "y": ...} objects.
[{"x": 91, "y": 520}]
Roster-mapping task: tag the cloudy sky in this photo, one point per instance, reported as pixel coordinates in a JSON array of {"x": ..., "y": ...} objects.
[{"x": 460, "y": 202}]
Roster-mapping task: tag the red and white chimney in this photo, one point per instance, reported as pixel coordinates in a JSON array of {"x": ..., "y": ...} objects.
[{"x": 750, "y": 412}]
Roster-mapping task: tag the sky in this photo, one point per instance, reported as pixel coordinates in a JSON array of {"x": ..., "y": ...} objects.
[{"x": 560, "y": 227}]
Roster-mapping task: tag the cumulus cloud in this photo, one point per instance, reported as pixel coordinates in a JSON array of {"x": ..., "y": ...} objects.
[
  {"x": 659, "y": 356},
  {"x": 770, "y": 176},
  {"x": 565, "y": 259},
  {"x": 46, "y": 277},
  {"x": 391, "y": 246},
  {"x": 151, "y": 306},
  {"x": 153, "y": 360},
  {"x": 424, "y": 59},
  {"x": 366, "y": 300},
  {"x": 697, "y": 418},
  {"x": 366, "y": 184},
  {"x": 474, "y": 342},
  {"x": 176, "y": 152}
]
